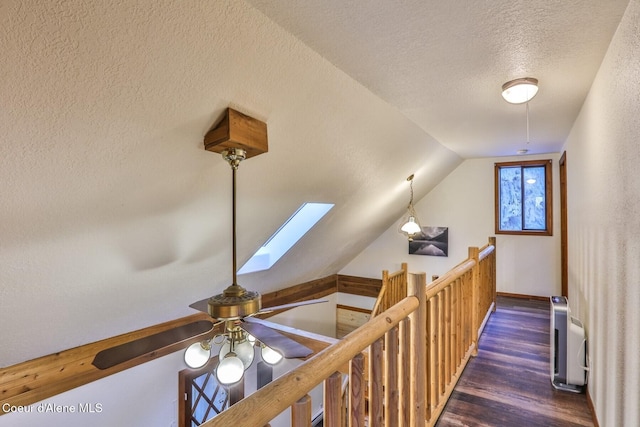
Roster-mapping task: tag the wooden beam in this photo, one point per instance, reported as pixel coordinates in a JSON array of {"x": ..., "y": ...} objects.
[{"x": 359, "y": 285}]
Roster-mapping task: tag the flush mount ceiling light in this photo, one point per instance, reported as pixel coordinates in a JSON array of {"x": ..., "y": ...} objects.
[
  {"x": 410, "y": 226},
  {"x": 520, "y": 90}
]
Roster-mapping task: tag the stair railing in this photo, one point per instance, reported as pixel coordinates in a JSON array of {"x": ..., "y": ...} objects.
[{"x": 404, "y": 362}]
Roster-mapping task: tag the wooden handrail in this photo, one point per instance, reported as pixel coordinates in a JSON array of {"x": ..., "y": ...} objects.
[
  {"x": 266, "y": 403},
  {"x": 452, "y": 275}
]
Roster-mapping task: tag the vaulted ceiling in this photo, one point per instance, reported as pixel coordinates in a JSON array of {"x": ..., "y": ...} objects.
[{"x": 113, "y": 217}]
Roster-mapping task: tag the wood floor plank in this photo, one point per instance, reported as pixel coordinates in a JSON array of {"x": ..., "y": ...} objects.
[{"x": 508, "y": 383}]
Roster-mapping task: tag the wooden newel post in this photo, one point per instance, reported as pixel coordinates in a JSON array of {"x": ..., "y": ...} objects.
[
  {"x": 301, "y": 412},
  {"x": 474, "y": 253},
  {"x": 417, "y": 286}
]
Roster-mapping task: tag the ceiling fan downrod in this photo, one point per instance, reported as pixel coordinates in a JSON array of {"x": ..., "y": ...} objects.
[{"x": 235, "y": 301}]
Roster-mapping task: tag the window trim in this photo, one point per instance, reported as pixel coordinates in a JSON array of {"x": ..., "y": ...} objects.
[{"x": 547, "y": 163}]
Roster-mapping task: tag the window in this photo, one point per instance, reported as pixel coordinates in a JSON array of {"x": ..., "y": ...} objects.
[
  {"x": 286, "y": 236},
  {"x": 201, "y": 397},
  {"x": 523, "y": 197}
]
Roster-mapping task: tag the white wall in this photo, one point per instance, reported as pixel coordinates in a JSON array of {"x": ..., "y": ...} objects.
[
  {"x": 464, "y": 202},
  {"x": 603, "y": 154}
]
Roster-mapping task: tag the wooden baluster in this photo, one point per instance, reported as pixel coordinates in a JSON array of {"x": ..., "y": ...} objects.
[
  {"x": 467, "y": 312},
  {"x": 356, "y": 391},
  {"x": 433, "y": 342},
  {"x": 454, "y": 326},
  {"x": 301, "y": 412},
  {"x": 447, "y": 334},
  {"x": 475, "y": 283},
  {"x": 333, "y": 401},
  {"x": 404, "y": 376},
  {"x": 376, "y": 381},
  {"x": 441, "y": 345},
  {"x": 391, "y": 377},
  {"x": 236, "y": 392}
]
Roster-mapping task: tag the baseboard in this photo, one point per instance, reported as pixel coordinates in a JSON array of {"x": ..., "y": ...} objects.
[
  {"x": 592, "y": 409},
  {"x": 522, "y": 296}
]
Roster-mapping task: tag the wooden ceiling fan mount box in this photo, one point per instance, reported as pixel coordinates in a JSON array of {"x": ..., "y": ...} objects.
[{"x": 237, "y": 130}]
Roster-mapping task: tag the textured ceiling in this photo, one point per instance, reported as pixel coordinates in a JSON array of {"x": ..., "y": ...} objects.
[
  {"x": 113, "y": 217},
  {"x": 442, "y": 63}
]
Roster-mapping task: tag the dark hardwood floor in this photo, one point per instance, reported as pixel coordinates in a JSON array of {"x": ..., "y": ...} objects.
[{"x": 508, "y": 383}]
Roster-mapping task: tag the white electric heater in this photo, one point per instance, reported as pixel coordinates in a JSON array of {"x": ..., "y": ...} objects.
[{"x": 568, "y": 348}]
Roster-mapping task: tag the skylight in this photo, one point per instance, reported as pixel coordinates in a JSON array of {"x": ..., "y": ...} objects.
[{"x": 286, "y": 236}]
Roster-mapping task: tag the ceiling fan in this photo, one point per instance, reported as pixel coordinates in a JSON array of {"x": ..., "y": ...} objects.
[{"x": 235, "y": 307}]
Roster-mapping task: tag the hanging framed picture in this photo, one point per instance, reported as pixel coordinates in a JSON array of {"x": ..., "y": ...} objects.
[{"x": 432, "y": 241}]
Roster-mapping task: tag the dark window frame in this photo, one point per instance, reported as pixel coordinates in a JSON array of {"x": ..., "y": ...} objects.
[{"x": 547, "y": 163}]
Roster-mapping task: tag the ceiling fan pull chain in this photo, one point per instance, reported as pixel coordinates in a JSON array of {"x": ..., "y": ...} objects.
[{"x": 527, "y": 122}]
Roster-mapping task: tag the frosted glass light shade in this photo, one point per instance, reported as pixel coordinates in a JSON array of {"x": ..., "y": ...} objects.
[
  {"x": 270, "y": 355},
  {"x": 251, "y": 339},
  {"x": 230, "y": 370},
  {"x": 243, "y": 350},
  {"x": 411, "y": 226},
  {"x": 197, "y": 355},
  {"x": 519, "y": 91}
]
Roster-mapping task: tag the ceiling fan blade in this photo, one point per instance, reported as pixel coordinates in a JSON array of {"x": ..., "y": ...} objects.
[
  {"x": 291, "y": 305},
  {"x": 288, "y": 347},
  {"x": 202, "y": 305},
  {"x": 121, "y": 353}
]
